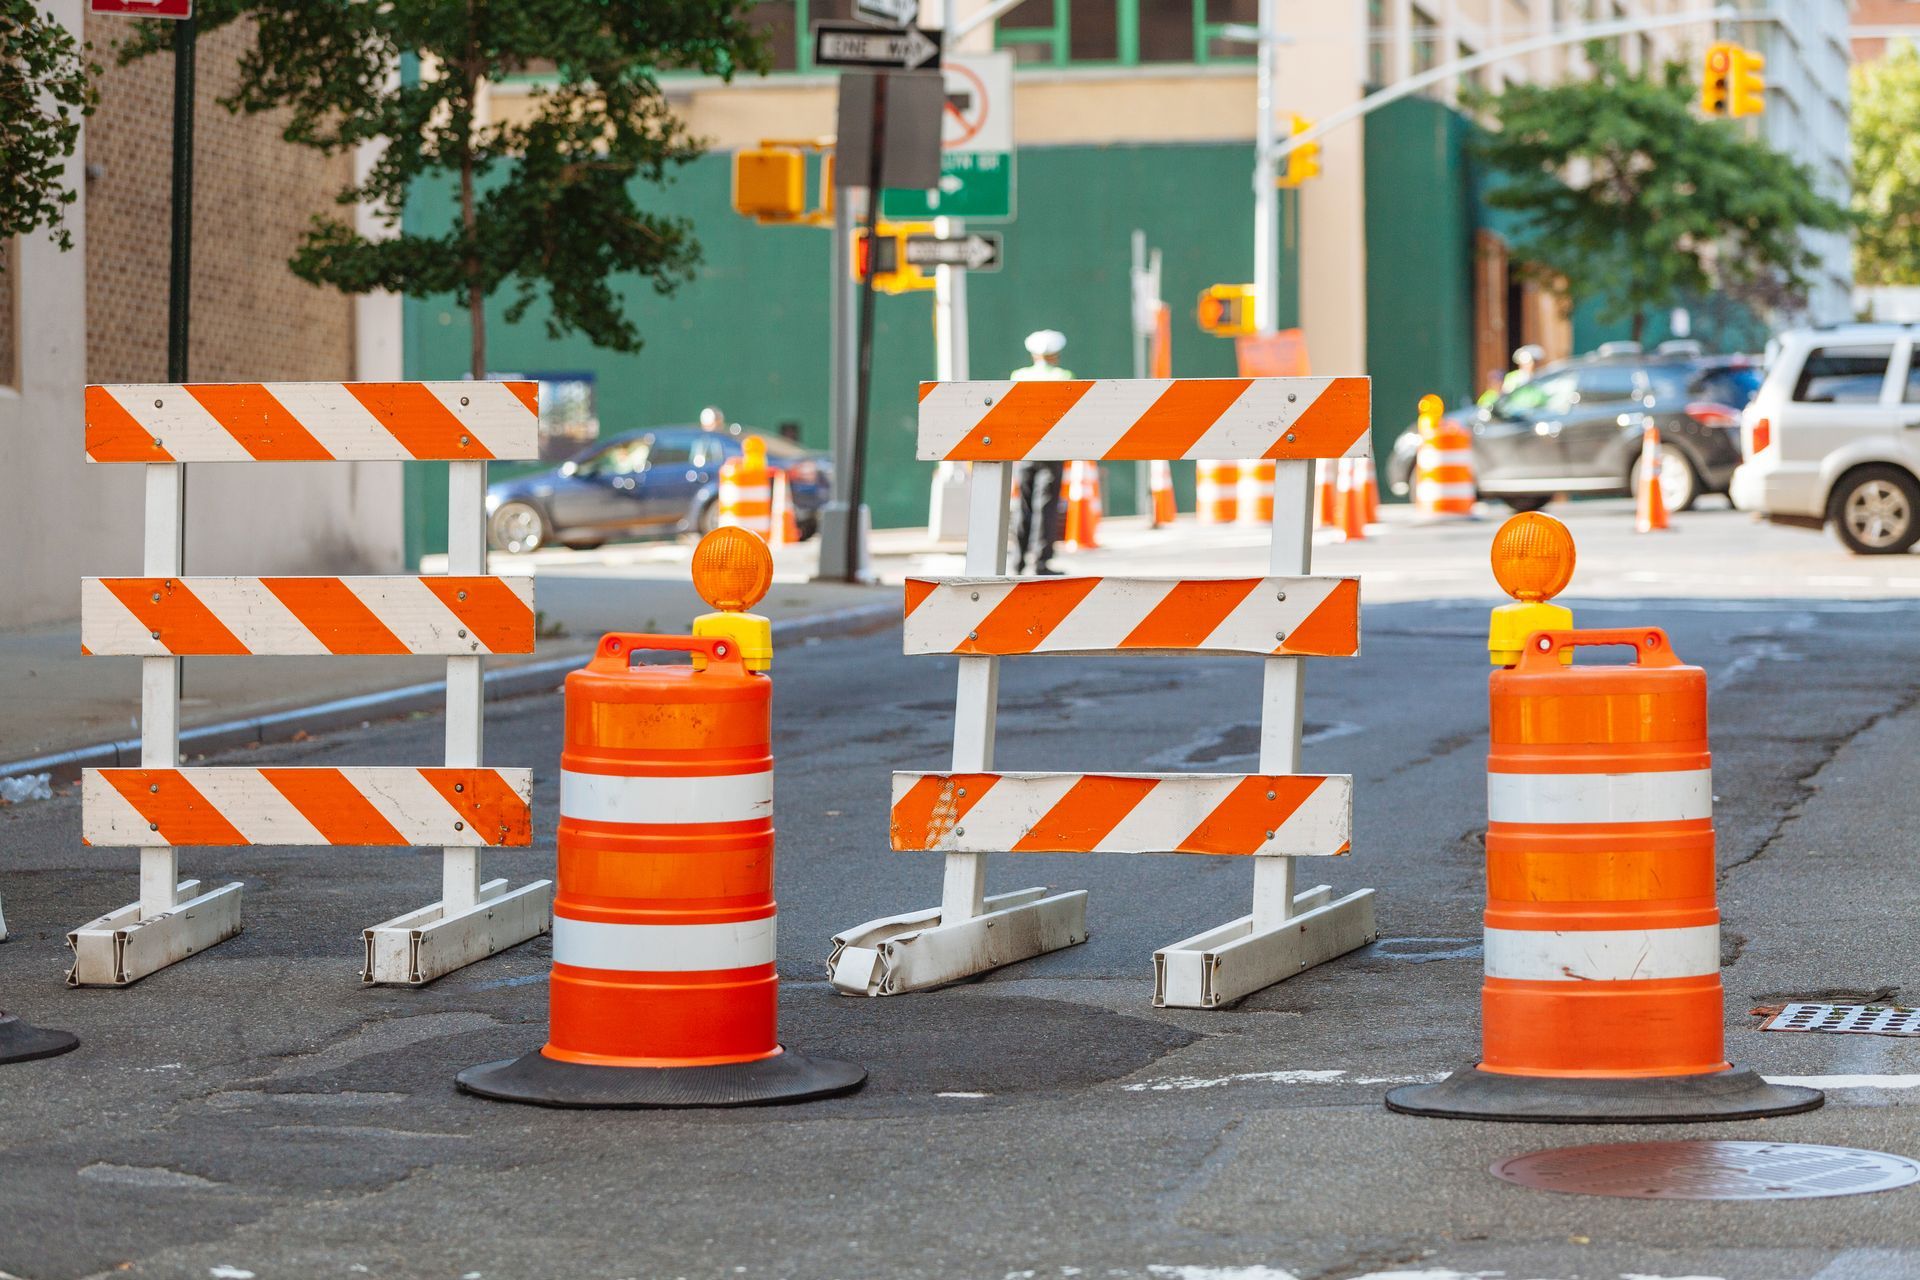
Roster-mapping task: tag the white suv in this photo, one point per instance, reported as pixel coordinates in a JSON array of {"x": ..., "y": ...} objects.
[{"x": 1834, "y": 436}]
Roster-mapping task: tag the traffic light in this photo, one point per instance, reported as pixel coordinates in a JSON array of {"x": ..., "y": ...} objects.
[
  {"x": 1716, "y": 78},
  {"x": 770, "y": 184},
  {"x": 1303, "y": 161},
  {"x": 1749, "y": 96},
  {"x": 1226, "y": 310},
  {"x": 886, "y": 257}
]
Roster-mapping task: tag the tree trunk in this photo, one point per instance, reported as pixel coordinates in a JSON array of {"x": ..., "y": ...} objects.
[{"x": 1639, "y": 325}]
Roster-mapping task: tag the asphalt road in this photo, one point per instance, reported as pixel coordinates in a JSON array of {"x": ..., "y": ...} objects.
[{"x": 255, "y": 1111}]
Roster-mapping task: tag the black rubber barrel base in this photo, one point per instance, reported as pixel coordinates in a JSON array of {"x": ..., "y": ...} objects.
[
  {"x": 1474, "y": 1094},
  {"x": 23, "y": 1042},
  {"x": 547, "y": 1082}
]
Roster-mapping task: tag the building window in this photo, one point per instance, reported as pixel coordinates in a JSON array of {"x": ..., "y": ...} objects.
[
  {"x": 1426, "y": 44},
  {"x": 9, "y": 313},
  {"x": 1477, "y": 78},
  {"x": 1377, "y": 36}
]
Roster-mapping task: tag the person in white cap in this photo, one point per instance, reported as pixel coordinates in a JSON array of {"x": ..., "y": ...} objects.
[{"x": 1043, "y": 509}]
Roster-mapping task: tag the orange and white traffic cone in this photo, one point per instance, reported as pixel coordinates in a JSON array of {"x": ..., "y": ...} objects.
[
  {"x": 1215, "y": 487},
  {"x": 24, "y": 1042},
  {"x": 663, "y": 991},
  {"x": 1602, "y": 998},
  {"x": 1327, "y": 501},
  {"x": 1083, "y": 505},
  {"x": 1352, "y": 502},
  {"x": 1369, "y": 489},
  {"x": 1255, "y": 492},
  {"x": 784, "y": 523},
  {"x": 1650, "y": 511},
  {"x": 1160, "y": 484}
]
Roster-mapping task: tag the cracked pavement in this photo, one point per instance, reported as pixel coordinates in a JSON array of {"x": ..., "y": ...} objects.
[{"x": 254, "y": 1110}]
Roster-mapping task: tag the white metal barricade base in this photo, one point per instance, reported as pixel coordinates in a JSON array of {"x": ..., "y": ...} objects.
[
  {"x": 915, "y": 951},
  {"x": 1212, "y": 968},
  {"x": 120, "y": 948},
  {"x": 422, "y": 945}
]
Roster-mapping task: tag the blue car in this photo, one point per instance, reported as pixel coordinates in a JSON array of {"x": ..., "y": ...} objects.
[{"x": 663, "y": 481}]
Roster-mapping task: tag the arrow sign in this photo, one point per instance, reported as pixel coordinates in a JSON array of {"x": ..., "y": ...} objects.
[
  {"x": 888, "y": 13},
  {"x": 853, "y": 44},
  {"x": 979, "y": 251}
]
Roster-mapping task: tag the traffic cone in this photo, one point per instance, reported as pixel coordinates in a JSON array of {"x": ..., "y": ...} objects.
[
  {"x": 23, "y": 1042},
  {"x": 1083, "y": 505},
  {"x": 1160, "y": 483},
  {"x": 663, "y": 991},
  {"x": 1352, "y": 503},
  {"x": 785, "y": 525},
  {"x": 1369, "y": 489},
  {"x": 1329, "y": 493},
  {"x": 1602, "y": 999},
  {"x": 1650, "y": 514}
]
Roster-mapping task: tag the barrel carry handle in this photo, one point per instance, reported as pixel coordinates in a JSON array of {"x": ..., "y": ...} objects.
[
  {"x": 1650, "y": 645},
  {"x": 615, "y": 650}
]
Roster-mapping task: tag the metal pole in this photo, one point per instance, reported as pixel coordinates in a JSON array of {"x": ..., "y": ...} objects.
[
  {"x": 863, "y": 384},
  {"x": 1142, "y": 476},
  {"x": 1266, "y": 198},
  {"x": 180, "y": 274}
]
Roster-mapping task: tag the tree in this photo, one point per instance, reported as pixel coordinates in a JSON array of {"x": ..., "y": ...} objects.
[
  {"x": 547, "y": 195},
  {"x": 46, "y": 89},
  {"x": 1631, "y": 198},
  {"x": 1886, "y": 168}
]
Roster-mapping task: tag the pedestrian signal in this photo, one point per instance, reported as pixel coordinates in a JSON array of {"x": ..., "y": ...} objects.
[
  {"x": 886, "y": 258},
  {"x": 1749, "y": 87},
  {"x": 1716, "y": 79},
  {"x": 1226, "y": 310},
  {"x": 1303, "y": 161},
  {"x": 770, "y": 184}
]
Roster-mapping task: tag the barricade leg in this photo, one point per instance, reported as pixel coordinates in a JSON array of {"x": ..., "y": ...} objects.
[
  {"x": 1286, "y": 932},
  {"x": 968, "y": 933}
]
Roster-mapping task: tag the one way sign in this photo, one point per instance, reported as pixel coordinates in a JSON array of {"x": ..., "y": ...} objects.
[
  {"x": 975, "y": 252},
  {"x": 854, "y": 44}
]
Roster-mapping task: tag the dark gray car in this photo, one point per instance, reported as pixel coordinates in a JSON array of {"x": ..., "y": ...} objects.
[{"x": 1577, "y": 426}]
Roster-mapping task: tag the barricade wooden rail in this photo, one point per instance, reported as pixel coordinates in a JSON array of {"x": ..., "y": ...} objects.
[
  {"x": 163, "y": 615},
  {"x": 1273, "y": 816}
]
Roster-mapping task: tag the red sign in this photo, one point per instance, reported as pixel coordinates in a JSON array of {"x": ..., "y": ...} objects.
[{"x": 143, "y": 8}]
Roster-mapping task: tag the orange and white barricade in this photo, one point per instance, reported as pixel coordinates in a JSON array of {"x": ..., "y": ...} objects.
[
  {"x": 1602, "y": 997},
  {"x": 1160, "y": 490},
  {"x": 1254, "y": 495},
  {"x": 164, "y": 615},
  {"x": 1443, "y": 483},
  {"x": 1271, "y": 817},
  {"x": 746, "y": 490},
  {"x": 663, "y": 991},
  {"x": 1083, "y": 505},
  {"x": 1216, "y": 491}
]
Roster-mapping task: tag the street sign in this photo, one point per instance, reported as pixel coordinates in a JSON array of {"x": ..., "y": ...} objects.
[
  {"x": 912, "y": 134},
  {"x": 143, "y": 8},
  {"x": 976, "y": 145},
  {"x": 887, "y": 13},
  {"x": 855, "y": 44},
  {"x": 979, "y": 251}
]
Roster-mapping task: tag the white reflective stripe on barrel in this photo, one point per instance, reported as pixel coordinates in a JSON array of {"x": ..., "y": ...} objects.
[
  {"x": 1555, "y": 798},
  {"x": 663, "y": 948},
  {"x": 720, "y": 797},
  {"x": 1434, "y": 490},
  {"x": 1601, "y": 955}
]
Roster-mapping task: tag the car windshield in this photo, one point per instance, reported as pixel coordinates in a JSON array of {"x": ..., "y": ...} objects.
[
  {"x": 1732, "y": 385},
  {"x": 1548, "y": 394},
  {"x": 622, "y": 457}
]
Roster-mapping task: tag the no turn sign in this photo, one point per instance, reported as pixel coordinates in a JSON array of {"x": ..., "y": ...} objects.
[{"x": 976, "y": 145}]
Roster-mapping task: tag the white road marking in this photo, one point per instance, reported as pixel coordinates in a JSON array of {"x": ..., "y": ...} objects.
[
  {"x": 1850, "y": 1082},
  {"x": 1169, "y": 1083}
]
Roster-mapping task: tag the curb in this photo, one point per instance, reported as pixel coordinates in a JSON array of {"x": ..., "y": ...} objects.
[{"x": 340, "y": 713}]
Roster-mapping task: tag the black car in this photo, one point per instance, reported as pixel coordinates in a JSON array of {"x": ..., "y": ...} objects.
[
  {"x": 1576, "y": 428},
  {"x": 662, "y": 481}
]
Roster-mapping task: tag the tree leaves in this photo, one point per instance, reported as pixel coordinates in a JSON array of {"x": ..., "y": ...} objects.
[
  {"x": 1629, "y": 197},
  {"x": 1886, "y": 167},
  {"x": 46, "y": 89}
]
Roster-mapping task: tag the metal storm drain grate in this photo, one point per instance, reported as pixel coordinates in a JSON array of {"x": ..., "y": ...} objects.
[
  {"x": 1857, "y": 1019},
  {"x": 1708, "y": 1170}
]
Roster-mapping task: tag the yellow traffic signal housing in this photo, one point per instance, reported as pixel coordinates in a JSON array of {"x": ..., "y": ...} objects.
[
  {"x": 1716, "y": 78},
  {"x": 1226, "y": 310},
  {"x": 770, "y": 184},
  {"x": 886, "y": 258},
  {"x": 1303, "y": 161},
  {"x": 1749, "y": 87}
]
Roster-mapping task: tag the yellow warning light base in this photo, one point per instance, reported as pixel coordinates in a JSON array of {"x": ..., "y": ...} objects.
[
  {"x": 1511, "y": 624},
  {"x": 752, "y": 636}
]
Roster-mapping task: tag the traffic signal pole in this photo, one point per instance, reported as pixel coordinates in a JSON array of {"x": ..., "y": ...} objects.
[{"x": 1266, "y": 196}]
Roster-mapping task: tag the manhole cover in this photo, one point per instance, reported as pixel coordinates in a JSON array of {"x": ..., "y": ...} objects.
[
  {"x": 1855, "y": 1019},
  {"x": 1708, "y": 1170}
]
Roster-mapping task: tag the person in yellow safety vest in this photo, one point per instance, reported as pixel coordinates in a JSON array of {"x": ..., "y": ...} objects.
[
  {"x": 1043, "y": 508},
  {"x": 1526, "y": 362}
]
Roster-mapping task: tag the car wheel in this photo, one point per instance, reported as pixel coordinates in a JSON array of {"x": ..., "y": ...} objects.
[
  {"x": 1876, "y": 511},
  {"x": 1679, "y": 483},
  {"x": 518, "y": 528},
  {"x": 1526, "y": 501},
  {"x": 709, "y": 518},
  {"x": 584, "y": 544}
]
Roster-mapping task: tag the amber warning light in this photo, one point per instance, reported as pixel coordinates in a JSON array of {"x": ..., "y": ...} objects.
[
  {"x": 732, "y": 571},
  {"x": 1533, "y": 559}
]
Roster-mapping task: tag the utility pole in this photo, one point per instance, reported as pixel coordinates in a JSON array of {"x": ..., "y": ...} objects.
[
  {"x": 952, "y": 356},
  {"x": 180, "y": 269},
  {"x": 1266, "y": 196}
]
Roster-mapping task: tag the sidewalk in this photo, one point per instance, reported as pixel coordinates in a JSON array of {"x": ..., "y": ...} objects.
[{"x": 58, "y": 703}]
